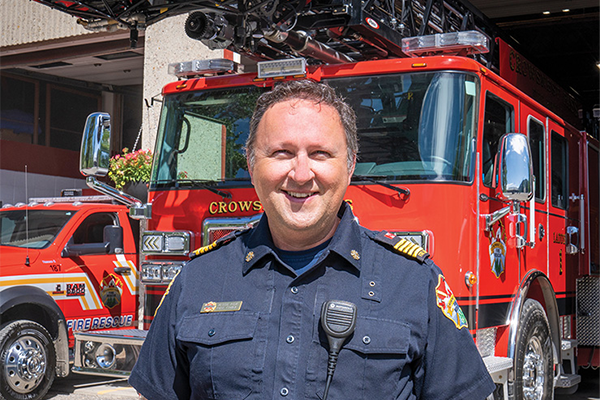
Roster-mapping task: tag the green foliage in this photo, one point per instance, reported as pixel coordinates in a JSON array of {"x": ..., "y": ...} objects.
[{"x": 130, "y": 167}]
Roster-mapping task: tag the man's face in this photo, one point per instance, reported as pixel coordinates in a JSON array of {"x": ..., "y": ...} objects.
[{"x": 301, "y": 172}]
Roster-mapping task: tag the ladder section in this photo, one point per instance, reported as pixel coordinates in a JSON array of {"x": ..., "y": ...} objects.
[{"x": 269, "y": 29}]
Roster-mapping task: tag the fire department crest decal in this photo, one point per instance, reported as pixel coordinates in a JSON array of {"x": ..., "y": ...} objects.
[
  {"x": 498, "y": 251},
  {"x": 111, "y": 288},
  {"x": 448, "y": 304}
]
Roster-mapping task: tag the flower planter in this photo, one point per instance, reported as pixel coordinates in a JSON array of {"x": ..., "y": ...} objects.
[{"x": 137, "y": 189}]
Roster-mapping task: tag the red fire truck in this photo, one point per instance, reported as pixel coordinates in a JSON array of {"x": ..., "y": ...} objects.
[
  {"x": 67, "y": 264},
  {"x": 455, "y": 156}
]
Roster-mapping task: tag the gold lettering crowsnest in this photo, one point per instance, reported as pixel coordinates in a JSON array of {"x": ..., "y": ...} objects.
[{"x": 221, "y": 207}]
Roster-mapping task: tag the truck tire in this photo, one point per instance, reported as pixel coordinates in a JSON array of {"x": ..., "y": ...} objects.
[
  {"x": 533, "y": 359},
  {"x": 27, "y": 360}
]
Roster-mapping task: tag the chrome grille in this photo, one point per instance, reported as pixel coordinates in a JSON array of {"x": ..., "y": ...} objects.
[{"x": 216, "y": 228}]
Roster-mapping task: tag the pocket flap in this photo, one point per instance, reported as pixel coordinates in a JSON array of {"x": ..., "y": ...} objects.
[
  {"x": 379, "y": 336},
  {"x": 211, "y": 329}
]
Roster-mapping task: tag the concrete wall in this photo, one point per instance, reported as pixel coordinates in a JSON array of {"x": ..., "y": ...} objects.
[
  {"x": 25, "y": 21},
  {"x": 166, "y": 42}
]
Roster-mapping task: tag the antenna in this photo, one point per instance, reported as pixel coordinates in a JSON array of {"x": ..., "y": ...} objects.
[{"x": 26, "y": 219}]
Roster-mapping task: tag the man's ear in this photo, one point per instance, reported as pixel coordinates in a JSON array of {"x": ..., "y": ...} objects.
[
  {"x": 250, "y": 171},
  {"x": 352, "y": 169}
]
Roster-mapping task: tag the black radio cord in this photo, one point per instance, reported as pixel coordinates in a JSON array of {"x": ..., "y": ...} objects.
[{"x": 330, "y": 369}]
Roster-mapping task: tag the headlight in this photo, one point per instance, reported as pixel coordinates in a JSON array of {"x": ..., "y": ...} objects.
[
  {"x": 160, "y": 272},
  {"x": 151, "y": 273},
  {"x": 177, "y": 243}
]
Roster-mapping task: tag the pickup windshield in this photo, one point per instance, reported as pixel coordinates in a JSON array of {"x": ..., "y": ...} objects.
[
  {"x": 412, "y": 127},
  {"x": 34, "y": 229}
]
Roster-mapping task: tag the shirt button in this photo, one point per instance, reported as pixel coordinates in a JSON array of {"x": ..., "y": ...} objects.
[
  {"x": 290, "y": 339},
  {"x": 211, "y": 333},
  {"x": 284, "y": 391},
  {"x": 366, "y": 340},
  {"x": 294, "y": 289}
]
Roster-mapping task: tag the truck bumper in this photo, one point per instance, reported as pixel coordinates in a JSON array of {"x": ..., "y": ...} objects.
[
  {"x": 107, "y": 353},
  {"x": 499, "y": 368}
]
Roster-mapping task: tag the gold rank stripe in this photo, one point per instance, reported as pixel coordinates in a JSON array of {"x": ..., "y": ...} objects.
[
  {"x": 205, "y": 249},
  {"x": 408, "y": 247}
]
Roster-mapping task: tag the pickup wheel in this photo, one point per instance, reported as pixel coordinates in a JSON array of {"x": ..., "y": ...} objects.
[
  {"x": 533, "y": 361},
  {"x": 27, "y": 360}
]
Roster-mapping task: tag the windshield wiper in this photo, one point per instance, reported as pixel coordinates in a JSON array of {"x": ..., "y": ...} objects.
[
  {"x": 201, "y": 183},
  {"x": 371, "y": 178}
]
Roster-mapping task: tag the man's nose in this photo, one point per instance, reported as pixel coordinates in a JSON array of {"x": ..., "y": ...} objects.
[{"x": 301, "y": 170}]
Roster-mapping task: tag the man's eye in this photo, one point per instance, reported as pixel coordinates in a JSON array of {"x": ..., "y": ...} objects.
[
  {"x": 321, "y": 154},
  {"x": 281, "y": 152}
]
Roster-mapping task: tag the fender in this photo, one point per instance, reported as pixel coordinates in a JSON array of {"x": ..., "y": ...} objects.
[
  {"x": 31, "y": 295},
  {"x": 513, "y": 319}
]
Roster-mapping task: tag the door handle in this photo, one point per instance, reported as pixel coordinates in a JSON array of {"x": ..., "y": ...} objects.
[{"x": 122, "y": 270}]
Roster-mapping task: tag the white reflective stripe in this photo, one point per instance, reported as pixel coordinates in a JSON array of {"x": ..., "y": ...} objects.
[
  {"x": 49, "y": 282},
  {"x": 132, "y": 279}
]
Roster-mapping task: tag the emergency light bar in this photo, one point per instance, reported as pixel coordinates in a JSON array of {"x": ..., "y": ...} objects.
[
  {"x": 200, "y": 67},
  {"x": 281, "y": 68},
  {"x": 72, "y": 199},
  {"x": 463, "y": 43}
]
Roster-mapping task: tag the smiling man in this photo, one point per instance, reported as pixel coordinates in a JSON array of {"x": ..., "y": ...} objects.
[
  {"x": 300, "y": 166},
  {"x": 242, "y": 320}
]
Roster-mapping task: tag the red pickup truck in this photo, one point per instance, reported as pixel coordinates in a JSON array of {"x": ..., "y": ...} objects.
[{"x": 66, "y": 265}]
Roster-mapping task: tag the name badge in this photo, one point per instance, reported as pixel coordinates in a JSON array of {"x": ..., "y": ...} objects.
[{"x": 224, "y": 306}]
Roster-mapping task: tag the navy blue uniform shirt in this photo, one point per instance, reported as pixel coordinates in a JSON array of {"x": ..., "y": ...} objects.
[{"x": 273, "y": 347}]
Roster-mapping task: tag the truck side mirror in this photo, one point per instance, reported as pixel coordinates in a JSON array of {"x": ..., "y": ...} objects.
[
  {"x": 95, "y": 145},
  {"x": 513, "y": 177},
  {"x": 113, "y": 236}
]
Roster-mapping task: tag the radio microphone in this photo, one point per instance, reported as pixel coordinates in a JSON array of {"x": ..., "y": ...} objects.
[{"x": 338, "y": 319}]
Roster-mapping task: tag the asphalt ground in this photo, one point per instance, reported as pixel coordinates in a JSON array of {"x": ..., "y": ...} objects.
[{"x": 86, "y": 387}]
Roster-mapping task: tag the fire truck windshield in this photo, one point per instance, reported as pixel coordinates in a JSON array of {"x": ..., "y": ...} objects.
[
  {"x": 34, "y": 229},
  {"x": 411, "y": 127}
]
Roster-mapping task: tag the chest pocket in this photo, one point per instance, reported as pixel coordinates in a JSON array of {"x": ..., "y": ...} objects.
[
  {"x": 225, "y": 358},
  {"x": 373, "y": 364}
]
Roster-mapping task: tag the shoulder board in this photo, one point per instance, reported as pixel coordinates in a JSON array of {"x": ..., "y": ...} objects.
[
  {"x": 217, "y": 243},
  {"x": 401, "y": 245}
]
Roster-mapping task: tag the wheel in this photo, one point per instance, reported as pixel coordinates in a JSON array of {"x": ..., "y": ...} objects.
[
  {"x": 27, "y": 361},
  {"x": 533, "y": 360}
]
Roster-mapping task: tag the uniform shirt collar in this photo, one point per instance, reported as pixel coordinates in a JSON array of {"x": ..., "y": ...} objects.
[{"x": 346, "y": 241}]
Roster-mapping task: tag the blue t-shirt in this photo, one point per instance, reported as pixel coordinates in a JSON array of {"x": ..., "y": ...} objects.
[{"x": 302, "y": 261}]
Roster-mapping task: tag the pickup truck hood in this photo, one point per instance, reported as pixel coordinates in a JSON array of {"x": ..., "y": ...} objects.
[{"x": 13, "y": 258}]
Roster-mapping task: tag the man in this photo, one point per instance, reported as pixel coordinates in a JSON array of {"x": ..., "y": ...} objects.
[{"x": 242, "y": 320}]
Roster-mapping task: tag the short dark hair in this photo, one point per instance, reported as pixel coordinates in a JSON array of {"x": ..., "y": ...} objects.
[{"x": 320, "y": 93}]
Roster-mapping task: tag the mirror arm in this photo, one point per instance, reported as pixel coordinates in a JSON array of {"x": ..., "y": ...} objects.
[
  {"x": 116, "y": 194},
  {"x": 491, "y": 219}
]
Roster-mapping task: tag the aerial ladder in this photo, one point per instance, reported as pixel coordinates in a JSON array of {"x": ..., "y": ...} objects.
[{"x": 322, "y": 31}]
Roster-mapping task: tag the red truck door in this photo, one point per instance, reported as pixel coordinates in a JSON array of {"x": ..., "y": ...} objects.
[
  {"x": 103, "y": 289},
  {"x": 564, "y": 219}
]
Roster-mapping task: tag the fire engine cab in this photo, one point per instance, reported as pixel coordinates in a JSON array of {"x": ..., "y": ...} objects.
[
  {"x": 466, "y": 149},
  {"x": 68, "y": 265}
]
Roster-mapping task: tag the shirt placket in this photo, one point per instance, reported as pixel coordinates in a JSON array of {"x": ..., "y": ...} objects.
[{"x": 288, "y": 343}]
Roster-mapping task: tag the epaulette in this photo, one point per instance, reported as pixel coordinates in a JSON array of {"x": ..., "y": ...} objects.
[
  {"x": 217, "y": 243},
  {"x": 402, "y": 246}
]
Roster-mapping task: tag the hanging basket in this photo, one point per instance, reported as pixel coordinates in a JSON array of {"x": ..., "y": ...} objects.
[{"x": 137, "y": 189}]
